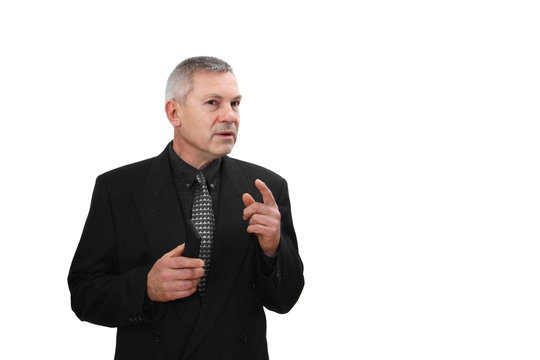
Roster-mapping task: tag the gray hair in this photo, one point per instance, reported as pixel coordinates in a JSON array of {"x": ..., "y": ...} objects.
[{"x": 180, "y": 82}]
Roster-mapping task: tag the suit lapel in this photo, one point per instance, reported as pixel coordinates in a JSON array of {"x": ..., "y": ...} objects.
[
  {"x": 158, "y": 206},
  {"x": 229, "y": 249},
  {"x": 162, "y": 219}
]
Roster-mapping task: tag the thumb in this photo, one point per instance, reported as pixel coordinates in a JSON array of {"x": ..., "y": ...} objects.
[
  {"x": 247, "y": 199},
  {"x": 177, "y": 251}
]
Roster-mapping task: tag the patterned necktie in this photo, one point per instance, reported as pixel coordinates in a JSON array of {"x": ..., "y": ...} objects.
[{"x": 202, "y": 216}]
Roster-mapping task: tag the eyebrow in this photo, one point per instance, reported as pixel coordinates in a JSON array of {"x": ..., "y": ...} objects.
[{"x": 217, "y": 96}]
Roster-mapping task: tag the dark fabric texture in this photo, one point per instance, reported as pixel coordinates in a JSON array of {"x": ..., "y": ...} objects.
[
  {"x": 135, "y": 217},
  {"x": 184, "y": 179}
]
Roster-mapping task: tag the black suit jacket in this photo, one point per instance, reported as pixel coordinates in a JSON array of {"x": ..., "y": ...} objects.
[{"x": 134, "y": 218}]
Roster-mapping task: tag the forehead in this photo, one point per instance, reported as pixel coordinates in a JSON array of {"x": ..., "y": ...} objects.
[{"x": 220, "y": 83}]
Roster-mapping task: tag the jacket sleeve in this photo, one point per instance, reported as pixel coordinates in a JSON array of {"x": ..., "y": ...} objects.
[
  {"x": 100, "y": 293},
  {"x": 281, "y": 288}
]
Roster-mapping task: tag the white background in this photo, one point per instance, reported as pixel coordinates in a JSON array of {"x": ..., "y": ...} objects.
[{"x": 407, "y": 130}]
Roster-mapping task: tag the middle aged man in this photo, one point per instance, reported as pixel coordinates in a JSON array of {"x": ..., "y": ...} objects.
[{"x": 181, "y": 252}]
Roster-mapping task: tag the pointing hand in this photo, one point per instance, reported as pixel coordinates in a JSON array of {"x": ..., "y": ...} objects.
[{"x": 264, "y": 219}]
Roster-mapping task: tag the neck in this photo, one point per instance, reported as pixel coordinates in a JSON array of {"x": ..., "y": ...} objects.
[{"x": 198, "y": 163}]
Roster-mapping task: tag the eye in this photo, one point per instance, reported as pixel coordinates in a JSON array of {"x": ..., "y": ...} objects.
[
  {"x": 235, "y": 104},
  {"x": 211, "y": 105}
]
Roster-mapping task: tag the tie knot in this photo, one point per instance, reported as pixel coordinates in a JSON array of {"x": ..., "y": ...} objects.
[{"x": 200, "y": 178}]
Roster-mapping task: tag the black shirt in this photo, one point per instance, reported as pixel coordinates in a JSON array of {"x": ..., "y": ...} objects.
[{"x": 185, "y": 183}]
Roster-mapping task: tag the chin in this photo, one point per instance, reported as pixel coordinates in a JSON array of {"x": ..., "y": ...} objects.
[{"x": 225, "y": 150}]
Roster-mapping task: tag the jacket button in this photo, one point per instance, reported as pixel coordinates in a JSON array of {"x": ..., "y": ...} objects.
[
  {"x": 251, "y": 285},
  {"x": 243, "y": 337},
  {"x": 278, "y": 276}
]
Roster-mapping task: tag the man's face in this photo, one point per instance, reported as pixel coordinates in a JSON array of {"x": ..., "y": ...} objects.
[{"x": 210, "y": 118}]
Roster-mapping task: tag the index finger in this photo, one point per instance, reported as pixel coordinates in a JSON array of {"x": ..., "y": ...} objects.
[
  {"x": 182, "y": 262},
  {"x": 268, "y": 198}
]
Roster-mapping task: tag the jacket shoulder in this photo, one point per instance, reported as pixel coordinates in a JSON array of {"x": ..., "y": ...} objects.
[
  {"x": 130, "y": 173},
  {"x": 136, "y": 173}
]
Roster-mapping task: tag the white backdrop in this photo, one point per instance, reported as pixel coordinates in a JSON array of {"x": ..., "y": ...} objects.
[{"x": 408, "y": 132}]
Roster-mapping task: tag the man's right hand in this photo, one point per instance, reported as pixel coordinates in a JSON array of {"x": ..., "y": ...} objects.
[{"x": 174, "y": 276}]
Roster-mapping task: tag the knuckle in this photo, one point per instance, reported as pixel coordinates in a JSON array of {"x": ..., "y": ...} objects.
[
  {"x": 170, "y": 263},
  {"x": 182, "y": 273},
  {"x": 187, "y": 285},
  {"x": 180, "y": 262},
  {"x": 168, "y": 276}
]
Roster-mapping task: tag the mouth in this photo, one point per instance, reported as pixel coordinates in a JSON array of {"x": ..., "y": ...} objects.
[{"x": 225, "y": 134}]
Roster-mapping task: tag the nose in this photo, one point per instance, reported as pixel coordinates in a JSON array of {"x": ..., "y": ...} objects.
[{"x": 228, "y": 114}]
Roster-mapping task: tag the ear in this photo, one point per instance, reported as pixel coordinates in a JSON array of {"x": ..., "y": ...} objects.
[{"x": 172, "y": 109}]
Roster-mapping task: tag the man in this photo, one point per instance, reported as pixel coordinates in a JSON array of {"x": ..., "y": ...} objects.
[{"x": 181, "y": 252}]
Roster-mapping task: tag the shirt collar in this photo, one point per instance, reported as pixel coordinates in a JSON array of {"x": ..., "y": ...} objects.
[{"x": 187, "y": 173}]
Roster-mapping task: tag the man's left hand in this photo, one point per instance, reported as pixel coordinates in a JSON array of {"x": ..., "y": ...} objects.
[{"x": 264, "y": 219}]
